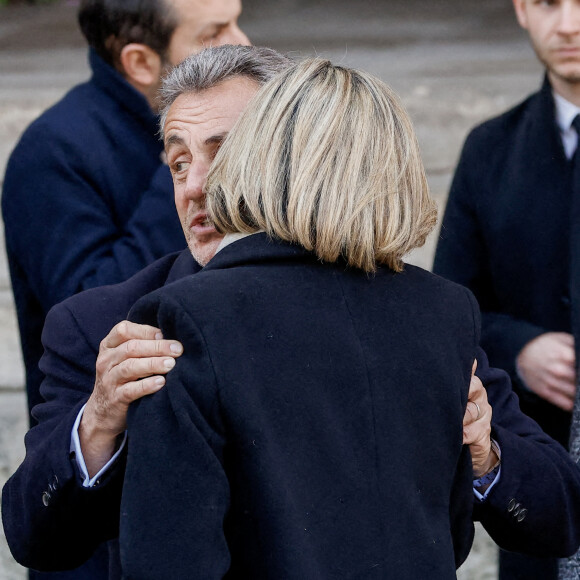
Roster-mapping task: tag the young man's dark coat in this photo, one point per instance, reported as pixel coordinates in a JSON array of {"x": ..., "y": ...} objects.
[
  {"x": 86, "y": 202},
  {"x": 506, "y": 236},
  {"x": 510, "y": 234}
]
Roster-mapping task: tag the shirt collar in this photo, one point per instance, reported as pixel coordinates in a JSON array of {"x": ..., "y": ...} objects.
[
  {"x": 565, "y": 112},
  {"x": 231, "y": 238}
]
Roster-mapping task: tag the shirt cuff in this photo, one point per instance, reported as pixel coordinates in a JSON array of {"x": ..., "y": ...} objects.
[
  {"x": 75, "y": 447},
  {"x": 482, "y": 497},
  {"x": 477, "y": 482}
]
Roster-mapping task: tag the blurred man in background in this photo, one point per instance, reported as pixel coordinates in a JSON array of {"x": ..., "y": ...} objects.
[
  {"x": 511, "y": 233},
  {"x": 87, "y": 198}
]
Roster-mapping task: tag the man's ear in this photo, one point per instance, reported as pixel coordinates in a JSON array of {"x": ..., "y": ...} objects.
[
  {"x": 521, "y": 12},
  {"x": 141, "y": 66}
]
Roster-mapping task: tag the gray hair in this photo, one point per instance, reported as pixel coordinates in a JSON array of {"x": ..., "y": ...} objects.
[
  {"x": 333, "y": 165},
  {"x": 214, "y": 65}
]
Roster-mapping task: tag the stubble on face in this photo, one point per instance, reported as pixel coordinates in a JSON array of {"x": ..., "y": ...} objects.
[
  {"x": 554, "y": 32},
  {"x": 202, "y": 249},
  {"x": 559, "y": 68},
  {"x": 196, "y": 125}
]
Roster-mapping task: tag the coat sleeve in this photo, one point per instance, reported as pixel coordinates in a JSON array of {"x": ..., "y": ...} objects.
[
  {"x": 535, "y": 507},
  {"x": 462, "y": 254},
  {"x": 176, "y": 493},
  {"x": 51, "y": 522},
  {"x": 62, "y": 226}
]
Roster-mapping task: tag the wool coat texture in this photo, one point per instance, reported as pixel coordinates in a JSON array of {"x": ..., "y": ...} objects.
[
  {"x": 311, "y": 429},
  {"x": 86, "y": 202},
  {"x": 510, "y": 233},
  {"x": 62, "y": 530},
  {"x": 47, "y": 537}
]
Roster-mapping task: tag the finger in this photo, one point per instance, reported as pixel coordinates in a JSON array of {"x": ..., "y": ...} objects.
[
  {"x": 149, "y": 348},
  {"x": 564, "y": 338},
  {"x": 136, "y": 368},
  {"x": 476, "y": 432},
  {"x": 137, "y": 389},
  {"x": 138, "y": 349},
  {"x": 476, "y": 389},
  {"x": 469, "y": 435},
  {"x": 562, "y": 401},
  {"x": 126, "y": 330},
  {"x": 474, "y": 367},
  {"x": 567, "y": 355},
  {"x": 562, "y": 374},
  {"x": 472, "y": 413},
  {"x": 564, "y": 389}
]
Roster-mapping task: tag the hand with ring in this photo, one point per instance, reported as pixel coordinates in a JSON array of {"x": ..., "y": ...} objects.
[{"x": 477, "y": 427}]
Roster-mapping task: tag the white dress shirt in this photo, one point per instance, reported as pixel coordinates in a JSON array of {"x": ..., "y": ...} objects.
[{"x": 565, "y": 113}]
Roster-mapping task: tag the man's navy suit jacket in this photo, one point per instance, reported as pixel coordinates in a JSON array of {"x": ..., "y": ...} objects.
[
  {"x": 312, "y": 428},
  {"x": 64, "y": 533},
  {"x": 507, "y": 235}
]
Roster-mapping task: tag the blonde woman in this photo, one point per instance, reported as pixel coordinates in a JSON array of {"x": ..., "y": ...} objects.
[{"x": 313, "y": 427}]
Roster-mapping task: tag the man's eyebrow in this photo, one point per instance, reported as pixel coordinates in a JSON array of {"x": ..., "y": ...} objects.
[
  {"x": 215, "y": 139},
  {"x": 173, "y": 140},
  {"x": 213, "y": 27}
]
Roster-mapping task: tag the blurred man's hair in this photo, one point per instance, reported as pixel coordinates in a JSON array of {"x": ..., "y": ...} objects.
[
  {"x": 109, "y": 25},
  {"x": 212, "y": 66},
  {"x": 325, "y": 157}
]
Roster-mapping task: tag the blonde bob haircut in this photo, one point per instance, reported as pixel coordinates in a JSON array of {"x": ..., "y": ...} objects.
[{"x": 325, "y": 157}]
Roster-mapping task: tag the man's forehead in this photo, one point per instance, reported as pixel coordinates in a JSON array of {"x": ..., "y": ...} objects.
[
  {"x": 207, "y": 11},
  {"x": 190, "y": 131},
  {"x": 192, "y": 105},
  {"x": 196, "y": 110},
  {"x": 219, "y": 106}
]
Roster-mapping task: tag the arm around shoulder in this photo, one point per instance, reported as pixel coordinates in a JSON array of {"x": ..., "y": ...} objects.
[{"x": 44, "y": 504}]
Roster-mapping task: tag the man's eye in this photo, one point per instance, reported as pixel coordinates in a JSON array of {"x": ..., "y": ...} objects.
[
  {"x": 180, "y": 166},
  {"x": 213, "y": 35}
]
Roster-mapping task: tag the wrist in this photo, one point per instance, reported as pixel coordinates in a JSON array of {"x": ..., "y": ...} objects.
[
  {"x": 492, "y": 463},
  {"x": 101, "y": 423},
  {"x": 98, "y": 442}
]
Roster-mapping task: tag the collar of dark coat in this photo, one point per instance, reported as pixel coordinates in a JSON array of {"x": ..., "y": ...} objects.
[
  {"x": 112, "y": 83},
  {"x": 544, "y": 132},
  {"x": 183, "y": 266},
  {"x": 258, "y": 249}
]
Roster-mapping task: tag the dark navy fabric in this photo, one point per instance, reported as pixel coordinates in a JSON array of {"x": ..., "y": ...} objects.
[
  {"x": 65, "y": 533},
  {"x": 59, "y": 536},
  {"x": 508, "y": 235},
  {"x": 312, "y": 428},
  {"x": 86, "y": 202}
]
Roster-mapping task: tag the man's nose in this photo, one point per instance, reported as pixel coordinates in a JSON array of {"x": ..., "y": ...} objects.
[
  {"x": 195, "y": 182},
  {"x": 569, "y": 22}
]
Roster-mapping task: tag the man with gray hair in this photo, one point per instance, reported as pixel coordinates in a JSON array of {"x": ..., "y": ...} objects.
[
  {"x": 72, "y": 475},
  {"x": 63, "y": 501},
  {"x": 98, "y": 162}
]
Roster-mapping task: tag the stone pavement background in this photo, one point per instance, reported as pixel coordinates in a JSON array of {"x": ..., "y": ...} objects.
[{"x": 453, "y": 62}]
